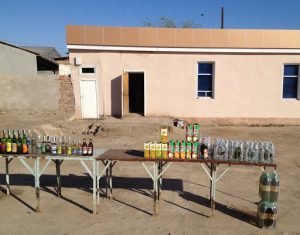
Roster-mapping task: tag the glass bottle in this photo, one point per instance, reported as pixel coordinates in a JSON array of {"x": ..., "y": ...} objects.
[
  {"x": 24, "y": 143},
  {"x": 29, "y": 142},
  {"x": 19, "y": 143},
  {"x": 3, "y": 143},
  {"x": 14, "y": 148},
  {"x": 59, "y": 147},
  {"x": 90, "y": 148},
  {"x": 38, "y": 145},
  {"x": 43, "y": 145},
  {"x": 84, "y": 148},
  {"x": 48, "y": 145},
  {"x": 54, "y": 146},
  {"x": 8, "y": 143},
  {"x": 79, "y": 150},
  {"x": 64, "y": 146},
  {"x": 69, "y": 148},
  {"x": 74, "y": 148}
]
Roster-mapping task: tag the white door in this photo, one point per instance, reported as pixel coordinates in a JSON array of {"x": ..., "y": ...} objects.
[{"x": 89, "y": 103}]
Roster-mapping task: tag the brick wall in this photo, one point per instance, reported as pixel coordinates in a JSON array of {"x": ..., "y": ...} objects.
[{"x": 66, "y": 102}]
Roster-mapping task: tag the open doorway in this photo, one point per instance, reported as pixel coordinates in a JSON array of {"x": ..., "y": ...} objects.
[{"x": 136, "y": 92}]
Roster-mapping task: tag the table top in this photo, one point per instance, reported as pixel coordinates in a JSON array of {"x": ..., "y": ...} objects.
[
  {"x": 138, "y": 155},
  {"x": 97, "y": 152}
]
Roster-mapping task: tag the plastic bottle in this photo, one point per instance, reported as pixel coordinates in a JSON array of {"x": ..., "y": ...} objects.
[{"x": 274, "y": 192}]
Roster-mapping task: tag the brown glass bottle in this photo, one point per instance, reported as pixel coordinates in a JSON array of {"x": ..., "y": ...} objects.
[
  {"x": 84, "y": 148},
  {"x": 90, "y": 148}
]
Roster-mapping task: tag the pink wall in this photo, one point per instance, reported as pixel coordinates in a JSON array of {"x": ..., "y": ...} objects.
[{"x": 246, "y": 85}]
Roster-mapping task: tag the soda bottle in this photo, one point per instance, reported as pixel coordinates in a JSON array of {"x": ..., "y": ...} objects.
[
  {"x": 84, "y": 148},
  {"x": 90, "y": 148}
]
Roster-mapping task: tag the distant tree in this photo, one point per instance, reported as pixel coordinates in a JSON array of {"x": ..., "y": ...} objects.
[
  {"x": 190, "y": 24},
  {"x": 166, "y": 22}
]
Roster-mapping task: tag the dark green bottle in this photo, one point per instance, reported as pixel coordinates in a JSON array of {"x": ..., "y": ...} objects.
[
  {"x": 19, "y": 143},
  {"x": 14, "y": 148},
  {"x": 274, "y": 192}
]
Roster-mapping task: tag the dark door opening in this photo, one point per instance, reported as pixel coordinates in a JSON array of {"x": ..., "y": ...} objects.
[{"x": 136, "y": 93}]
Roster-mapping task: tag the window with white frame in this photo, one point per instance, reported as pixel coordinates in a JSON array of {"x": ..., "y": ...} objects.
[
  {"x": 290, "y": 81},
  {"x": 205, "y": 79},
  {"x": 88, "y": 70}
]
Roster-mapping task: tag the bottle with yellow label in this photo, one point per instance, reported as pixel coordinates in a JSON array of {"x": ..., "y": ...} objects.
[{"x": 8, "y": 143}]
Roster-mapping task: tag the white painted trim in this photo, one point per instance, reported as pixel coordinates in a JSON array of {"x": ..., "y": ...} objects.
[
  {"x": 97, "y": 96},
  {"x": 188, "y": 50},
  {"x": 87, "y": 66}
]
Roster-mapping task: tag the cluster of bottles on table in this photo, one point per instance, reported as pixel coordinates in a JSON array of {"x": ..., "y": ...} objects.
[
  {"x": 193, "y": 147},
  {"x": 268, "y": 193},
  {"x": 30, "y": 143},
  {"x": 244, "y": 151},
  {"x": 196, "y": 147}
]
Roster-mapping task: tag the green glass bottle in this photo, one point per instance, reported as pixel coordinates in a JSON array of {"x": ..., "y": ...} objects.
[
  {"x": 14, "y": 148},
  {"x": 24, "y": 144},
  {"x": 3, "y": 143},
  {"x": 8, "y": 143},
  {"x": 43, "y": 146},
  {"x": 19, "y": 143}
]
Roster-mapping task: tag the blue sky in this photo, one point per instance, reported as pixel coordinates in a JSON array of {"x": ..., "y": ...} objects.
[{"x": 42, "y": 22}]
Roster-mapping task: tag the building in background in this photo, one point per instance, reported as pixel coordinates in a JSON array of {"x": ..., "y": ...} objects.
[{"x": 189, "y": 73}]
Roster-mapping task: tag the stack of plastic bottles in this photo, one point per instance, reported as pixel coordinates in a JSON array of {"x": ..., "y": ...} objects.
[
  {"x": 267, "y": 207},
  {"x": 243, "y": 151}
]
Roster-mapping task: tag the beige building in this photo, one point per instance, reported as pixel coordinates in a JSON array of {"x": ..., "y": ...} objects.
[{"x": 195, "y": 73}]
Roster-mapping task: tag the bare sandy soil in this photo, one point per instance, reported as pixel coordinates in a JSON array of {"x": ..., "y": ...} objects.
[{"x": 184, "y": 207}]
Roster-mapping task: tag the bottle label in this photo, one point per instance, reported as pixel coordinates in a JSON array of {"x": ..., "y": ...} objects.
[
  {"x": 59, "y": 150},
  {"x": 69, "y": 151},
  {"x": 24, "y": 148},
  {"x": 54, "y": 149},
  {"x": 84, "y": 150},
  {"x": 14, "y": 147},
  {"x": 8, "y": 147},
  {"x": 90, "y": 150},
  {"x": 74, "y": 151}
]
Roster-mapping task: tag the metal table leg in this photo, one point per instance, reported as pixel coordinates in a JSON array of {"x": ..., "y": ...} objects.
[
  {"x": 37, "y": 183},
  {"x": 155, "y": 194},
  {"x": 58, "y": 176},
  {"x": 94, "y": 187},
  {"x": 110, "y": 179},
  {"x": 7, "y": 161}
]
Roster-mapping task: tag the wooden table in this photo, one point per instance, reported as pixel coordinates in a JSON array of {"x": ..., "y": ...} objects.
[{"x": 210, "y": 167}]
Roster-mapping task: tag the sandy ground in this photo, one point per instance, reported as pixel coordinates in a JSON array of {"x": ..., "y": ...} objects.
[{"x": 184, "y": 207}]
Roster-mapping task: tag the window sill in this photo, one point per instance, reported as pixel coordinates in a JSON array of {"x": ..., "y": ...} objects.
[
  {"x": 290, "y": 99},
  {"x": 204, "y": 98}
]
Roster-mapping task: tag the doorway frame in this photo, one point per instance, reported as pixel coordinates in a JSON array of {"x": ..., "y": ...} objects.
[
  {"x": 97, "y": 96},
  {"x": 145, "y": 86}
]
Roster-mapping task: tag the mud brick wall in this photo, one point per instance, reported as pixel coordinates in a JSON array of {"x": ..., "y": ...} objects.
[{"x": 66, "y": 102}]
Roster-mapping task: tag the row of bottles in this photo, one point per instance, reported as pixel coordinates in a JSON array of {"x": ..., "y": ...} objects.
[{"x": 33, "y": 144}]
